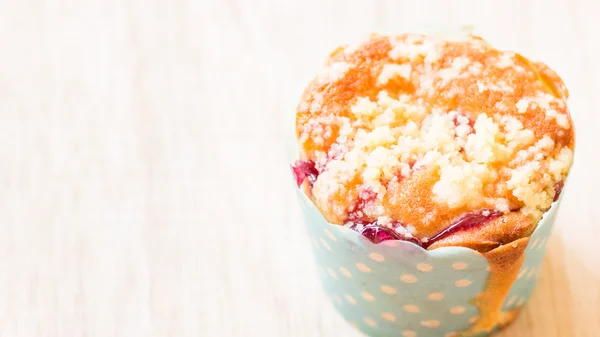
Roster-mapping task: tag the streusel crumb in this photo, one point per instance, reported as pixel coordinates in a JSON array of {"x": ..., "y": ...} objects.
[{"x": 419, "y": 130}]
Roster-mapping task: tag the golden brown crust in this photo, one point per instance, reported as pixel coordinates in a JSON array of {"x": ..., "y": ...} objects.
[
  {"x": 466, "y": 77},
  {"x": 361, "y": 81}
]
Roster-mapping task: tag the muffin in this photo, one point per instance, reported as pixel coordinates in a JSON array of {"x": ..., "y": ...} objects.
[{"x": 437, "y": 142}]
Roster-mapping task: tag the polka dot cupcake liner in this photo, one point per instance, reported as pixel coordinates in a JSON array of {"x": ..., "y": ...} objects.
[{"x": 396, "y": 288}]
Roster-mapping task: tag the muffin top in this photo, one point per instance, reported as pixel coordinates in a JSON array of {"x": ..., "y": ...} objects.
[{"x": 420, "y": 133}]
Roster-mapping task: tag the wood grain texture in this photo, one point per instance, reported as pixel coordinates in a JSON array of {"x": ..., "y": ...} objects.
[{"x": 143, "y": 169}]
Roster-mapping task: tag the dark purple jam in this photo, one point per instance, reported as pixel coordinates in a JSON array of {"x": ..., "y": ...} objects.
[
  {"x": 558, "y": 189},
  {"x": 377, "y": 233},
  {"x": 305, "y": 170},
  {"x": 464, "y": 223}
]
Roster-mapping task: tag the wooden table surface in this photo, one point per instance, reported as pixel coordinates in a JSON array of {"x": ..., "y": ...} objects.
[{"x": 143, "y": 170}]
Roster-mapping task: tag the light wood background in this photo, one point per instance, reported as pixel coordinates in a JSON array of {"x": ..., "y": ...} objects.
[{"x": 144, "y": 187}]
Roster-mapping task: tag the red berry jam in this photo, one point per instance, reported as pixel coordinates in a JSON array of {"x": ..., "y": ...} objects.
[
  {"x": 464, "y": 223},
  {"x": 558, "y": 189},
  {"x": 377, "y": 233},
  {"x": 305, "y": 170}
]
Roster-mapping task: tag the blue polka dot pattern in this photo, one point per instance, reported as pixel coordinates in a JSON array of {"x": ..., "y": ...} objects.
[
  {"x": 399, "y": 289},
  {"x": 534, "y": 255}
]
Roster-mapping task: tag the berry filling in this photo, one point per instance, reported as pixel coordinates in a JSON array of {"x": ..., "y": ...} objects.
[
  {"x": 377, "y": 233},
  {"x": 305, "y": 170},
  {"x": 464, "y": 223},
  {"x": 558, "y": 188}
]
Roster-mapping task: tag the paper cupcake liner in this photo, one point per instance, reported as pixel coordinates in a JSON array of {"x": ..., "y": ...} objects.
[{"x": 397, "y": 288}]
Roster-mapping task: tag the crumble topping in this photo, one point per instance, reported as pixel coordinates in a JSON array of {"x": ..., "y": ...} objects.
[{"x": 419, "y": 130}]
